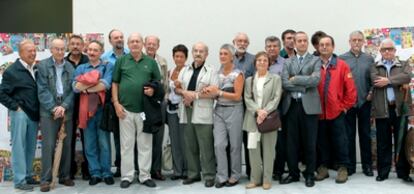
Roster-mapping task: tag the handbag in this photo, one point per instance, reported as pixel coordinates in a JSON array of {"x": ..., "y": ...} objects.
[{"x": 271, "y": 122}]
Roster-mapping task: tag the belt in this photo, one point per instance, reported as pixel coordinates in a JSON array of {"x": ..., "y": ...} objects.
[
  {"x": 297, "y": 99},
  {"x": 225, "y": 105},
  {"x": 391, "y": 103}
]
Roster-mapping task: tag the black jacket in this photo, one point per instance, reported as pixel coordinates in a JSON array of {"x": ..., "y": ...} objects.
[
  {"x": 152, "y": 108},
  {"x": 19, "y": 89}
]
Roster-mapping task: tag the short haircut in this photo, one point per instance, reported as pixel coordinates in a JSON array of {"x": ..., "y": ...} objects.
[
  {"x": 52, "y": 45},
  {"x": 110, "y": 33},
  {"x": 288, "y": 31},
  {"x": 316, "y": 36},
  {"x": 75, "y": 36},
  {"x": 97, "y": 42},
  {"x": 327, "y": 36},
  {"x": 180, "y": 48},
  {"x": 203, "y": 44},
  {"x": 273, "y": 39},
  {"x": 24, "y": 42},
  {"x": 387, "y": 40},
  {"x": 357, "y": 32},
  {"x": 229, "y": 47},
  {"x": 156, "y": 37},
  {"x": 259, "y": 54}
]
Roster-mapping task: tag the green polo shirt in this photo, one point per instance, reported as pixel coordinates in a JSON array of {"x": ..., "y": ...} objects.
[{"x": 131, "y": 77}]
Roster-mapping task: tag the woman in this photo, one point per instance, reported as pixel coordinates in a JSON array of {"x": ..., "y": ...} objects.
[
  {"x": 176, "y": 130},
  {"x": 261, "y": 96},
  {"x": 228, "y": 116},
  {"x": 97, "y": 141}
]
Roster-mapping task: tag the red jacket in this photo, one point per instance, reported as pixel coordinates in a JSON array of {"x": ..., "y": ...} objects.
[{"x": 336, "y": 89}]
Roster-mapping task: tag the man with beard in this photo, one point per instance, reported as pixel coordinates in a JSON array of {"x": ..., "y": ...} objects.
[{"x": 288, "y": 44}]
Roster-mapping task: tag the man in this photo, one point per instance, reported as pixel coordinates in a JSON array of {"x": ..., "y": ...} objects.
[
  {"x": 76, "y": 57},
  {"x": 338, "y": 94},
  {"x": 388, "y": 76},
  {"x": 131, "y": 72},
  {"x": 288, "y": 44},
  {"x": 196, "y": 113},
  {"x": 152, "y": 44},
  {"x": 360, "y": 64},
  {"x": 272, "y": 48},
  {"x": 18, "y": 92},
  {"x": 244, "y": 61},
  {"x": 315, "y": 41},
  {"x": 116, "y": 39},
  {"x": 56, "y": 106},
  {"x": 300, "y": 78}
]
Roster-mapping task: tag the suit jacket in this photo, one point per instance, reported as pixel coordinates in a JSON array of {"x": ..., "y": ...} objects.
[
  {"x": 46, "y": 87},
  {"x": 18, "y": 89},
  {"x": 272, "y": 92},
  {"x": 152, "y": 108},
  {"x": 306, "y": 80}
]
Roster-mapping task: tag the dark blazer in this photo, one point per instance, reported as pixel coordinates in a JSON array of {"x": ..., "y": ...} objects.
[
  {"x": 46, "y": 87},
  {"x": 152, "y": 108},
  {"x": 307, "y": 76},
  {"x": 18, "y": 89}
]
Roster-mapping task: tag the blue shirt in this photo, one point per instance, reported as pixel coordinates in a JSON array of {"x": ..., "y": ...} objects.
[
  {"x": 110, "y": 56},
  {"x": 390, "y": 91},
  {"x": 105, "y": 69},
  {"x": 277, "y": 66},
  {"x": 245, "y": 64},
  {"x": 59, "y": 71}
]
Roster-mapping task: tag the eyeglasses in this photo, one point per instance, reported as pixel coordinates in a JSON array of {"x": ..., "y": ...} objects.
[{"x": 387, "y": 49}]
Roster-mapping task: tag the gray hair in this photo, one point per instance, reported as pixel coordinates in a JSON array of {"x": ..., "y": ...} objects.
[
  {"x": 273, "y": 39},
  {"x": 229, "y": 47},
  {"x": 357, "y": 32},
  {"x": 53, "y": 42},
  {"x": 201, "y": 43},
  {"x": 387, "y": 40},
  {"x": 241, "y": 34},
  {"x": 24, "y": 42}
]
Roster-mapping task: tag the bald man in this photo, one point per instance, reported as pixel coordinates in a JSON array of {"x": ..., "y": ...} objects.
[
  {"x": 18, "y": 92},
  {"x": 130, "y": 74},
  {"x": 56, "y": 106}
]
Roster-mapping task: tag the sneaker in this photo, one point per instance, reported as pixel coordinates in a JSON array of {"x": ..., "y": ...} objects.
[
  {"x": 125, "y": 184},
  {"x": 342, "y": 176},
  {"x": 149, "y": 183},
  {"x": 322, "y": 173},
  {"x": 109, "y": 180},
  {"x": 24, "y": 187}
]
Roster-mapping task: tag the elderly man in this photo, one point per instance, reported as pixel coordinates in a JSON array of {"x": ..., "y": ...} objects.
[
  {"x": 196, "y": 112},
  {"x": 360, "y": 64},
  {"x": 131, "y": 72},
  {"x": 300, "y": 78},
  {"x": 388, "y": 76},
  {"x": 272, "y": 48},
  {"x": 18, "y": 92},
  {"x": 56, "y": 106},
  {"x": 76, "y": 57},
  {"x": 288, "y": 44},
  {"x": 338, "y": 94},
  {"x": 152, "y": 44},
  {"x": 243, "y": 60},
  {"x": 116, "y": 39}
]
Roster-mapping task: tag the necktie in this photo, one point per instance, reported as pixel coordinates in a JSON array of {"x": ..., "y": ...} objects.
[{"x": 300, "y": 59}]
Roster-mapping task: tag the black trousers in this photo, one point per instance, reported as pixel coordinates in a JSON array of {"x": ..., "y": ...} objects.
[
  {"x": 84, "y": 165},
  {"x": 359, "y": 117},
  {"x": 385, "y": 130},
  {"x": 281, "y": 149},
  {"x": 302, "y": 132},
  {"x": 333, "y": 134}
]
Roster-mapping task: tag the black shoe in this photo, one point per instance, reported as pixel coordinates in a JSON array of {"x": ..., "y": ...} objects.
[
  {"x": 209, "y": 183},
  {"x": 24, "y": 187},
  {"x": 368, "y": 171},
  {"x": 190, "y": 181},
  {"x": 277, "y": 177},
  {"x": 94, "y": 180},
  {"x": 31, "y": 181},
  {"x": 158, "y": 176},
  {"x": 109, "y": 180},
  {"x": 289, "y": 179},
  {"x": 406, "y": 179},
  {"x": 125, "y": 184},
  {"x": 220, "y": 185},
  {"x": 117, "y": 173},
  {"x": 351, "y": 172},
  {"x": 309, "y": 181},
  {"x": 229, "y": 184},
  {"x": 381, "y": 178},
  {"x": 175, "y": 177},
  {"x": 67, "y": 182},
  {"x": 86, "y": 177},
  {"x": 149, "y": 183}
]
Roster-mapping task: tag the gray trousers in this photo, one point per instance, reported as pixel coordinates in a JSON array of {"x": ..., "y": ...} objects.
[
  {"x": 262, "y": 167},
  {"x": 176, "y": 131},
  {"x": 50, "y": 129},
  {"x": 228, "y": 129}
]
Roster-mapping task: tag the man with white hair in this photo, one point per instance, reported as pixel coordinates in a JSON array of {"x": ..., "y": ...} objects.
[
  {"x": 390, "y": 77},
  {"x": 243, "y": 60}
]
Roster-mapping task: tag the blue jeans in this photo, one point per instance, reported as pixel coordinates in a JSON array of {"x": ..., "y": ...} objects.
[
  {"x": 23, "y": 139},
  {"x": 97, "y": 147}
]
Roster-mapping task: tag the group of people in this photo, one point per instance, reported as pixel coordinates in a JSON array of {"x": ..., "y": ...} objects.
[{"x": 212, "y": 111}]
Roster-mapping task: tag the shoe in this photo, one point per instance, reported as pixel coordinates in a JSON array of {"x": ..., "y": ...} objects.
[
  {"x": 351, "y": 172},
  {"x": 309, "y": 181},
  {"x": 44, "y": 187},
  {"x": 32, "y": 181},
  {"x": 322, "y": 173},
  {"x": 24, "y": 187},
  {"x": 175, "y": 177},
  {"x": 267, "y": 186},
  {"x": 289, "y": 179},
  {"x": 158, "y": 176},
  {"x": 86, "y": 177},
  {"x": 368, "y": 171},
  {"x": 94, "y": 180},
  {"x": 109, "y": 180},
  {"x": 231, "y": 182},
  {"x": 277, "y": 177},
  {"x": 209, "y": 183},
  {"x": 67, "y": 182},
  {"x": 117, "y": 172},
  {"x": 342, "y": 175},
  {"x": 220, "y": 185},
  {"x": 406, "y": 179},
  {"x": 125, "y": 184},
  {"x": 380, "y": 178},
  {"x": 251, "y": 185},
  {"x": 149, "y": 183},
  {"x": 190, "y": 181}
]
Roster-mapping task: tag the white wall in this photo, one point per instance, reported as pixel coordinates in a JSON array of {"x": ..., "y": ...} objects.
[{"x": 216, "y": 21}]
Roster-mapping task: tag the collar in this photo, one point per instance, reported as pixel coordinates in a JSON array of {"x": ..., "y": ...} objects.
[
  {"x": 129, "y": 56},
  {"x": 304, "y": 55},
  {"x": 58, "y": 65},
  {"x": 198, "y": 68},
  {"x": 353, "y": 54},
  {"x": 25, "y": 65}
]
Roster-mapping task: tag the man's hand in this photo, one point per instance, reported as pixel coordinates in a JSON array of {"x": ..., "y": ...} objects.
[
  {"x": 119, "y": 109},
  {"x": 148, "y": 91},
  {"x": 211, "y": 90},
  {"x": 188, "y": 97},
  {"x": 58, "y": 112},
  {"x": 381, "y": 82}
]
